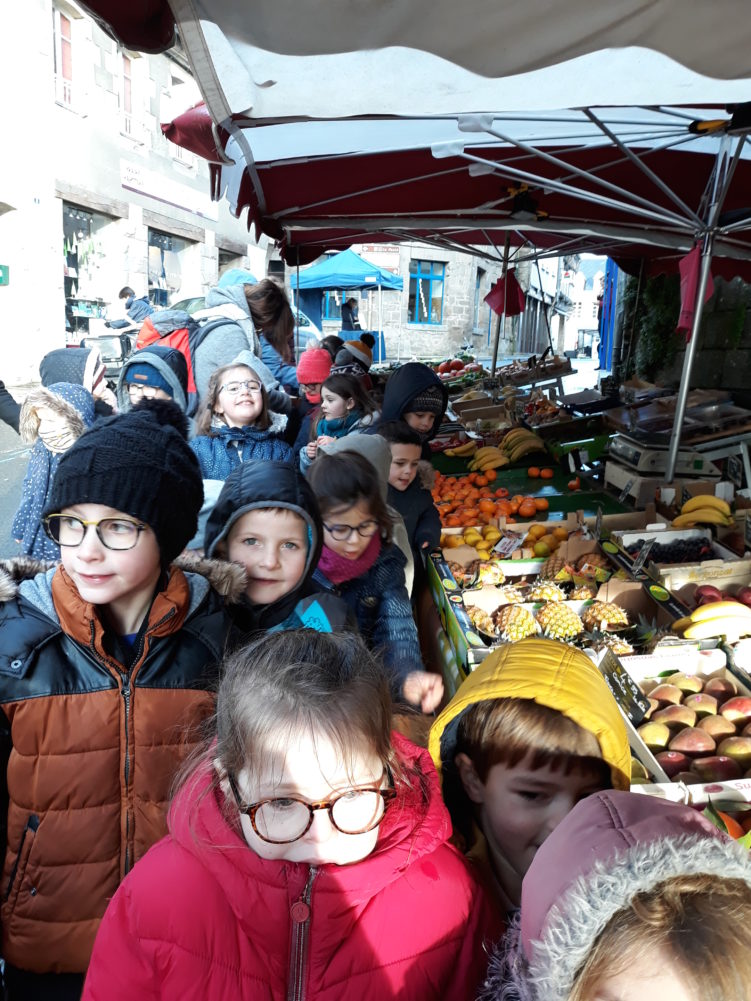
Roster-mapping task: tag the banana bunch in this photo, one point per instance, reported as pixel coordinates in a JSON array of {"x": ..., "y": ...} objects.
[
  {"x": 730, "y": 619},
  {"x": 704, "y": 509},
  {"x": 488, "y": 457},
  {"x": 467, "y": 449},
  {"x": 520, "y": 442}
]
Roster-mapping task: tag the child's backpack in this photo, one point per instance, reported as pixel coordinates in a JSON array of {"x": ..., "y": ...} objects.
[{"x": 178, "y": 329}]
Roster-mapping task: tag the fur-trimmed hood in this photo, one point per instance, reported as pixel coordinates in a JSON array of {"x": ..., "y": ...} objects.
[
  {"x": 611, "y": 847},
  {"x": 227, "y": 579},
  {"x": 74, "y": 404}
]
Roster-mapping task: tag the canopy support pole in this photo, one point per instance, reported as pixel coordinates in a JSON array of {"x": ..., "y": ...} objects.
[
  {"x": 380, "y": 319},
  {"x": 500, "y": 319},
  {"x": 715, "y": 204}
]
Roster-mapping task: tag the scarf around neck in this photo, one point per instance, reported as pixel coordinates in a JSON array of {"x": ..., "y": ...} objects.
[
  {"x": 338, "y": 427},
  {"x": 339, "y": 569}
]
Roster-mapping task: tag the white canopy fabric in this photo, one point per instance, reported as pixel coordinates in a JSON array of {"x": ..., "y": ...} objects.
[{"x": 285, "y": 59}]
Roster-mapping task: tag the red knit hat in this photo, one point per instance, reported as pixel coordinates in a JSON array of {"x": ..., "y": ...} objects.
[{"x": 314, "y": 366}]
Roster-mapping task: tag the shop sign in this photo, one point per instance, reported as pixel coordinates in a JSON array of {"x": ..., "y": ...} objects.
[
  {"x": 135, "y": 177},
  {"x": 4, "y": 274}
]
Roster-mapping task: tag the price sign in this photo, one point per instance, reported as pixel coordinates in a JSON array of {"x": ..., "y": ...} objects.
[
  {"x": 734, "y": 470},
  {"x": 625, "y": 691},
  {"x": 626, "y": 490},
  {"x": 508, "y": 545},
  {"x": 598, "y": 523},
  {"x": 641, "y": 557}
]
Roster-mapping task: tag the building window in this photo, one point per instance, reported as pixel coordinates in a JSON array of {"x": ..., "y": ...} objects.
[
  {"x": 479, "y": 280},
  {"x": 63, "y": 52},
  {"x": 126, "y": 98},
  {"x": 165, "y": 267},
  {"x": 426, "y": 291},
  {"x": 332, "y": 305}
]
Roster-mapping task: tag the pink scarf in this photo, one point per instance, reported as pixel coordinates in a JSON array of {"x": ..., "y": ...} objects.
[{"x": 338, "y": 568}]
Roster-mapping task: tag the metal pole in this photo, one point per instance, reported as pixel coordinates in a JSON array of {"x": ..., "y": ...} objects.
[
  {"x": 502, "y": 316},
  {"x": 688, "y": 362},
  {"x": 380, "y": 319}
]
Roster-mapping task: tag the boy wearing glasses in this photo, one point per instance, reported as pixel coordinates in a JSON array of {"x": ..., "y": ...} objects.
[
  {"x": 157, "y": 372},
  {"x": 106, "y": 664}
]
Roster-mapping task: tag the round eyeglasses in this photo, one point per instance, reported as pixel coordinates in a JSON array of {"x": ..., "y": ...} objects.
[
  {"x": 113, "y": 533},
  {"x": 280, "y": 821},
  {"x": 341, "y": 533},
  {"x": 233, "y": 388},
  {"x": 147, "y": 392}
]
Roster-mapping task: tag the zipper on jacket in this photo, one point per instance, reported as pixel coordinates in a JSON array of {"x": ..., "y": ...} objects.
[
  {"x": 298, "y": 954},
  {"x": 125, "y": 691}
]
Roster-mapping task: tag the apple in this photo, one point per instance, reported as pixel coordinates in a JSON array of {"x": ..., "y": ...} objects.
[
  {"x": 444, "y": 367},
  {"x": 688, "y": 778},
  {"x": 706, "y": 593},
  {"x": 675, "y": 717},
  {"x": 693, "y": 742},
  {"x": 738, "y": 709},
  {"x": 702, "y": 704},
  {"x": 721, "y": 689},
  {"x": 456, "y": 365},
  {"x": 655, "y": 735},
  {"x": 744, "y": 596},
  {"x": 667, "y": 695},
  {"x": 718, "y": 768},
  {"x": 717, "y": 727},
  {"x": 673, "y": 762},
  {"x": 738, "y": 748},
  {"x": 688, "y": 683}
]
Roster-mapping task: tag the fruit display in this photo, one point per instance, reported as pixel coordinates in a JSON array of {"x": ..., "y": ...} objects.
[
  {"x": 692, "y": 550},
  {"x": 545, "y": 591},
  {"x": 729, "y": 620},
  {"x": 457, "y": 368},
  {"x": 509, "y": 595},
  {"x": 474, "y": 500},
  {"x": 488, "y": 457},
  {"x": 481, "y": 621},
  {"x": 555, "y": 568},
  {"x": 698, "y": 729},
  {"x": 540, "y": 410},
  {"x": 474, "y": 394},
  {"x": 558, "y": 621},
  {"x": 513, "y": 622},
  {"x": 604, "y": 615},
  {"x": 592, "y": 560},
  {"x": 704, "y": 509},
  {"x": 582, "y": 592}
]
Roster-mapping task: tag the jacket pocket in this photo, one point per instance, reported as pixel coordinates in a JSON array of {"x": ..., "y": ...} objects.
[{"x": 20, "y": 862}]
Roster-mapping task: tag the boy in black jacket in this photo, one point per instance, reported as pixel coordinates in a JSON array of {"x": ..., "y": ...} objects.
[{"x": 406, "y": 491}]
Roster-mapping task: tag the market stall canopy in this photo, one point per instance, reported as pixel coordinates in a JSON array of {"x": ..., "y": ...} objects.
[
  {"x": 629, "y": 183},
  {"x": 346, "y": 270},
  {"x": 277, "y": 60}
]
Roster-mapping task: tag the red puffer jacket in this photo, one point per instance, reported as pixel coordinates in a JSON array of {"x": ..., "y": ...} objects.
[{"x": 202, "y": 918}]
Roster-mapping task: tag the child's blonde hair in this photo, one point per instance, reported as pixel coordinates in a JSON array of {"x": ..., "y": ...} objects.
[
  {"x": 205, "y": 414},
  {"x": 699, "y": 924}
]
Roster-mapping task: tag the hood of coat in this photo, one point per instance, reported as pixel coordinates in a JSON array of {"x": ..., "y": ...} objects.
[
  {"x": 552, "y": 674},
  {"x": 72, "y": 403},
  {"x": 228, "y": 295},
  {"x": 371, "y": 447},
  {"x": 81, "y": 366},
  {"x": 16, "y": 570},
  {"x": 404, "y": 385},
  {"x": 415, "y": 825},
  {"x": 168, "y": 362},
  {"x": 611, "y": 847},
  {"x": 254, "y": 486}
]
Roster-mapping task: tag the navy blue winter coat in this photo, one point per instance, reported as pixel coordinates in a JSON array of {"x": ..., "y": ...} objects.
[{"x": 222, "y": 451}]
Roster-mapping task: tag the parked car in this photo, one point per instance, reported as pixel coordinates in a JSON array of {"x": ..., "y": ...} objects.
[{"x": 304, "y": 327}]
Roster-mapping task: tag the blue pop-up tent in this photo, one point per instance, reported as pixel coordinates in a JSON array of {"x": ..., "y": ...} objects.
[{"x": 340, "y": 272}]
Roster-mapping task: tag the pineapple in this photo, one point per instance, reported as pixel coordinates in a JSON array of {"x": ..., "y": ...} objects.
[
  {"x": 514, "y": 622},
  {"x": 619, "y": 646},
  {"x": 552, "y": 566},
  {"x": 582, "y": 592},
  {"x": 509, "y": 595},
  {"x": 545, "y": 591},
  {"x": 491, "y": 573},
  {"x": 604, "y": 615},
  {"x": 559, "y": 621},
  {"x": 481, "y": 620}
]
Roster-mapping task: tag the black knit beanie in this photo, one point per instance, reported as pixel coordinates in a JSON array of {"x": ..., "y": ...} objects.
[{"x": 139, "y": 463}]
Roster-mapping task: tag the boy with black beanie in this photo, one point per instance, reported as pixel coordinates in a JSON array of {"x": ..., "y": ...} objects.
[{"x": 107, "y": 662}]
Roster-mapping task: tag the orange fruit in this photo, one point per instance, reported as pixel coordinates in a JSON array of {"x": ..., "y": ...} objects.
[
  {"x": 501, "y": 492},
  {"x": 490, "y": 475},
  {"x": 486, "y": 506},
  {"x": 574, "y": 484},
  {"x": 534, "y": 472},
  {"x": 560, "y": 533},
  {"x": 527, "y": 509},
  {"x": 453, "y": 521},
  {"x": 541, "y": 503},
  {"x": 546, "y": 474},
  {"x": 481, "y": 481}
]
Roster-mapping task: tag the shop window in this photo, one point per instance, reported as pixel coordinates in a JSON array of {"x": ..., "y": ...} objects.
[
  {"x": 165, "y": 266},
  {"x": 275, "y": 270},
  {"x": 426, "y": 281},
  {"x": 62, "y": 30},
  {"x": 332, "y": 305},
  {"x": 85, "y": 276}
]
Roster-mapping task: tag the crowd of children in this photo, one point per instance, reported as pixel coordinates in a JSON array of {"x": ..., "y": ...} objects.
[{"x": 204, "y": 793}]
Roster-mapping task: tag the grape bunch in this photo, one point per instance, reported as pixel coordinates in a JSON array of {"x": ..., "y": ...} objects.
[{"x": 679, "y": 551}]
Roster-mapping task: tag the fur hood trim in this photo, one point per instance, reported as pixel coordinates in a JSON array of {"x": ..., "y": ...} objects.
[
  {"x": 578, "y": 918},
  {"x": 41, "y": 397},
  {"x": 16, "y": 570},
  {"x": 227, "y": 579}
]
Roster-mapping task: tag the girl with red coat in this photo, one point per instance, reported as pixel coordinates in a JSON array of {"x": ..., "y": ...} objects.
[{"x": 308, "y": 853}]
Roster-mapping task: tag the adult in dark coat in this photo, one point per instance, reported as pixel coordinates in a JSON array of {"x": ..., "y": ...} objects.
[{"x": 10, "y": 411}]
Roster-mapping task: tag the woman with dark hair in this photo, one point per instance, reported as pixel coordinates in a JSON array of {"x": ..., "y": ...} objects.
[
  {"x": 333, "y": 345},
  {"x": 275, "y": 324}
]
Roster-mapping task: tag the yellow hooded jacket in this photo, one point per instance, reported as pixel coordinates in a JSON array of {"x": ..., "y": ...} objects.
[{"x": 552, "y": 674}]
